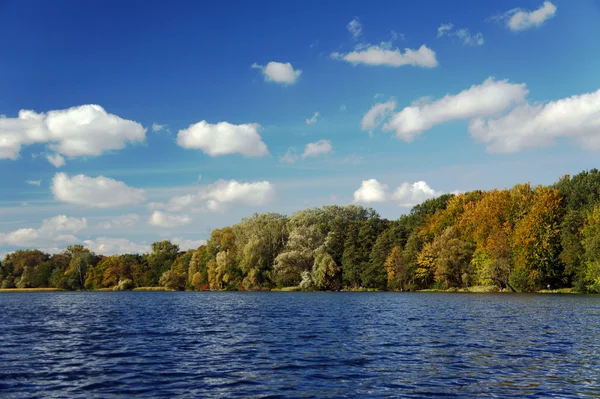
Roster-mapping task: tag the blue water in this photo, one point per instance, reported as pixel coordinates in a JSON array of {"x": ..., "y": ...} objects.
[{"x": 165, "y": 344}]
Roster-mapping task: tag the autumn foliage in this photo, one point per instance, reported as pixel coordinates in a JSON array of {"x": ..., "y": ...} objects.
[{"x": 519, "y": 239}]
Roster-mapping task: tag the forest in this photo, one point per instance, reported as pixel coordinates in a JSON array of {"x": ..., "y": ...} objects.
[{"x": 521, "y": 239}]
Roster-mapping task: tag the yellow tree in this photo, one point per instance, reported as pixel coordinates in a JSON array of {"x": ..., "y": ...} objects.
[
  {"x": 536, "y": 244},
  {"x": 393, "y": 264}
]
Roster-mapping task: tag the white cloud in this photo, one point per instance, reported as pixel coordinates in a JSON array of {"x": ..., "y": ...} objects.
[
  {"x": 120, "y": 222},
  {"x": 489, "y": 98},
  {"x": 157, "y": 128},
  {"x": 54, "y": 231},
  {"x": 405, "y": 195},
  {"x": 371, "y": 191},
  {"x": 444, "y": 29},
  {"x": 215, "y": 197},
  {"x": 186, "y": 245},
  {"x": 376, "y": 115},
  {"x": 96, "y": 192},
  {"x": 33, "y": 182},
  {"x": 313, "y": 119},
  {"x": 62, "y": 223},
  {"x": 279, "y": 72},
  {"x": 518, "y": 19},
  {"x": 383, "y": 55},
  {"x": 321, "y": 147},
  {"x": 161, "y": 219},
  {"x": 528, "y": 126},
  {"x": 78, "y": 131},
  {"x": 354, "y": 27},
  {"x": 115, "y": 246},
  {"x": 408, "y": 195},
  {"x": 463, "y": 34},
  {"x": 289, "y": 157},
  {"x": 223, "y": 138},
  {"x": 56, "y": 160},
  {"x": 467, "y": 39}
]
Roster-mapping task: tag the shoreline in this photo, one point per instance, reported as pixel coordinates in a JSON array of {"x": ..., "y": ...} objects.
[{"x": 470, "y": 290}]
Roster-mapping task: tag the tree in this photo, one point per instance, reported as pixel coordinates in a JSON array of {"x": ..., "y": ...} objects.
[
  {"x": 161, "y": 259},
  {"x": 590, "y": 279},
  {"x": 173, "y": 280},
  {"x": 260, "y": 239},
  {"x": 198, "y": 269},
  {"x": 452, "y": 259},
  {"x": 352, "y": 258},
  {"x": 395, "y": 234},
  {"x": 298, "y": 255},
  {"x": 81, "y": 260},
  {"x": 537, "y": 243},
  {"x": 16, "y": 263},
  {"x": 571, "y": 243},
  {"x": 325, "y": 273}
]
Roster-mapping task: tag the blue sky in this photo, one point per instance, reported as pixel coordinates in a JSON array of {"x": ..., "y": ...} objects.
[{"x": 508, "y": 69}]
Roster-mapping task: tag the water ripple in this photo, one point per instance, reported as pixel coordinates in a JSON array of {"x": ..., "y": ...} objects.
[{"x": 298, "y": 345}]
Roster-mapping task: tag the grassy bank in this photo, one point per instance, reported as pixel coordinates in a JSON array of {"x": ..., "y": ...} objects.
[
  {"x": 150, "y": 289},
  {"x": 494, "y": 289}
]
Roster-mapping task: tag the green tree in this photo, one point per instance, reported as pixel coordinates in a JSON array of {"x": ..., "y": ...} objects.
[
  {"x": 161, "y": 259},
  {"x": 325, "y": 273},
  {"x": 260, "y": 239},
  {"x": 298, "y": 255},
  {"x": 590, "y": 279},
  {"x": 452, "y": 259},
  {"x": 81, "y": 260}
]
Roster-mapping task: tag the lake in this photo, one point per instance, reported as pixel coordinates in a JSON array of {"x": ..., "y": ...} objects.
[{"x": 251, "y": 345}]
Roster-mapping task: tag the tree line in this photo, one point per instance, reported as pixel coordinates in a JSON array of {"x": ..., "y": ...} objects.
[{"x": 520, "y": 239}]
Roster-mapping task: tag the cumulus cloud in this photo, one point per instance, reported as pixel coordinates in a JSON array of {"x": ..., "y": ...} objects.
[
  {"x": 463, "y": 34},
  {"x": 409, "y": 195},
  {"x": 56, "y": 160},
  {"x": 354, "y": 27},
  {"x": 278, "y": 72},
  {"x": 115, "y": 246},
  {"x": 215, "y": 197},
  {"x": 518, "y": 19},
  {"x": 313, "y": 119},
  {"x": 375, "y": 116},
  {"x": 489, "y": 98},
  {"x": 371, "y": 191},
  {"x": 96, "y": 192},
  {"x": 223, "y": 138},
  {"x": 79, "y": 131},
  {"x": 528, "y": 126},
  {"x": 384, "y": 55},
  {"x": 405, "y": 195},
  {"x": 289, "y": 157},
  {"x": 55, "y": 231},
  {"x": 161, "y": 219},
  {"x": 321, "y": 147},
  {"x": 120, "y": 222},
  {"x": 33, "y": 182}
]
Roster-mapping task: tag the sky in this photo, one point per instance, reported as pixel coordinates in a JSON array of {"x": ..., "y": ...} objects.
[{"x": 127, "y": 122}]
